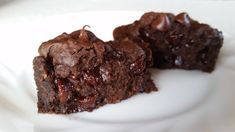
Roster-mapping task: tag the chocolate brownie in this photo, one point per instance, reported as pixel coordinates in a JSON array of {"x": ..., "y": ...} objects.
[
  {"x": 177, "y": 41},
  {"x": 79, "y": 72}
]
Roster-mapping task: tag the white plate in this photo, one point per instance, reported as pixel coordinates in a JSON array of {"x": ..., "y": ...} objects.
[{"x": 187, "y": 100}]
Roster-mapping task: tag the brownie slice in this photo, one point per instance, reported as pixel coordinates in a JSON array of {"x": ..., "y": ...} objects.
[
  {"x": 79, "y": 72},
  {"x": 177, "y": 41}
]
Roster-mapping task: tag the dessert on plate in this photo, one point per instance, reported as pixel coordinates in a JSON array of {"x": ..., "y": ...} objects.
[
  {"x": 79, "y": 72},
  {"x": 176, "y": 41}
]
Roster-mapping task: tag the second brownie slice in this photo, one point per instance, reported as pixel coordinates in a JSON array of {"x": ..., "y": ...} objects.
[
  {"x": 79, "y": 72},
  {"x": 177, "y": 41}
]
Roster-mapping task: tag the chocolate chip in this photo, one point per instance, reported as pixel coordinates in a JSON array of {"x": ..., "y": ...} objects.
[
  {"x": 183, "y": 18},
  {"x": 161, "y": 23},
  {"x": 83, "y": 36}
]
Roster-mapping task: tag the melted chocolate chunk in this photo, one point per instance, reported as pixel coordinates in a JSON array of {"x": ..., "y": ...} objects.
[
  {"x": 162, "y": 23},
  {"x": 183, "y": 18}
]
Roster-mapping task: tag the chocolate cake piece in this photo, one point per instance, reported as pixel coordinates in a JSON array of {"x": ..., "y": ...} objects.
[
  {"x": 177, "y": 41},
  {"x": 79, "y": 72}
]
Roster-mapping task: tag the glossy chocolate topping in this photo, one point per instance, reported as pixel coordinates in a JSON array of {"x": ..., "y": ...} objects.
[{"x": 183, "y": 18}]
